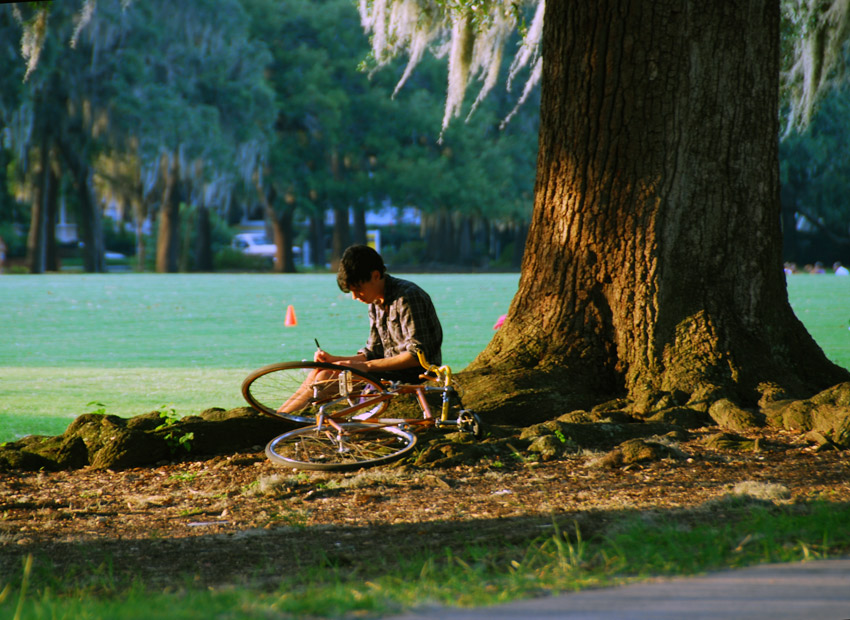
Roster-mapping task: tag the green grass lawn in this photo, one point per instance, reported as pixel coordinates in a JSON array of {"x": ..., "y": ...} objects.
[
  {"x": 822, "y": 303},
  {"x": 135, "y": 342}
]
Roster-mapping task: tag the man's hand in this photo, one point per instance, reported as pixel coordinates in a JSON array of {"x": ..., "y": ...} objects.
[
  {"x": 355, "y": 364},
  {"x": 355, "y": 361}
]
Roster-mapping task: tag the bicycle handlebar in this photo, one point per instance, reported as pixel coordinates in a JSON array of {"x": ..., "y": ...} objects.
[{"x": 442, "y": 372}]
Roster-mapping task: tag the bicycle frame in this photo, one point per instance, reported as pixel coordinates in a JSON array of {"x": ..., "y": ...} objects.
[
  {"x": 442, "y": 375},
  {"x": 349, "y": 431}
]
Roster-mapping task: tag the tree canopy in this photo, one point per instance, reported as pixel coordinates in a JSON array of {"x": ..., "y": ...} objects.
[
  {"x": 473, "y": 36},
  {"x": 224, "y": 107}
]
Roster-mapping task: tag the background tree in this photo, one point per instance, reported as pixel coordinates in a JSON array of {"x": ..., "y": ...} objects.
[
  {"x": 189, "y": 124},
  {"x": 11, "y": 86},
  {"x": 342, "y": 145},
  {"x": 55, "y": 133},
  {"x": 190, "y": 93},
  {"x": 310, "y": 81},
  {"x": 815, "y": 172},
  {"x": 472, "y": 184}
]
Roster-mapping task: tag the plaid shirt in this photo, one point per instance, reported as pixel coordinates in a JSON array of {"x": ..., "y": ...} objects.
[{"x": 406, "y": 322}]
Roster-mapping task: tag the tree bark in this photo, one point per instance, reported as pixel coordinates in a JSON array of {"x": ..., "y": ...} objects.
[
  {"x": 6, "y": 203},
  {"x": 317, "y": 234},
  {"x": 358, "y": 231},
  {"x": 168, "y": 235},
  {"x": 90, "y": 221},
  {"x": 203, "y": 241},
  {"x": 465, "y": 255},
  {"x": 51, "y": 206},
  {"x": 653, "y": 265},
  {"x": 73, "y": 145},
  {"x": 187, "y": 220},
  {"x": 284, "y": 235},
  {"x": 283, "y": 230},
  {"x": 340, "y": 234},
  {"x": 438, "y": 231},
  {"x": 37, "y": 236}
]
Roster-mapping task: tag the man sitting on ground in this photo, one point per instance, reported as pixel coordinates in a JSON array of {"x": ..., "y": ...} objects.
[{"x": 402, "y": 322}]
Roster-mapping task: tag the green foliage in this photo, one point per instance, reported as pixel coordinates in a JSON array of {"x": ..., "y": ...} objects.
[
  {"x": 174, "y": 440},
  {"x": 341, "y": 140},
  {"x": 237, "y": 87},
  {"x": 230, "y": 259},
  {"x": 815, "y": 174},
  {"x": 220, "y": 235},
  {"x": 191, "y": 81},
  {"x": 16, "y": 243},
  {"x": 101, "y": 408},
  {"x": 11, "y": 90}
]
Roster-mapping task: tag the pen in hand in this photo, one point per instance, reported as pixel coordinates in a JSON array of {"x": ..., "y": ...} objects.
[{"x": 318, "y": 346}]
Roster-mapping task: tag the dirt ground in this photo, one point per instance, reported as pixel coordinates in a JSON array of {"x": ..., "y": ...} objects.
[{"x": 238, "y": 518}]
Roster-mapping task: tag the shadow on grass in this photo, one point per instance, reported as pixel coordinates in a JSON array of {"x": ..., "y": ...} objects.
[{"x": 596, "y": 548}]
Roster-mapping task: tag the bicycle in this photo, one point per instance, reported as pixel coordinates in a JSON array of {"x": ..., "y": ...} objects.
[{"x": 343, "y": 409}]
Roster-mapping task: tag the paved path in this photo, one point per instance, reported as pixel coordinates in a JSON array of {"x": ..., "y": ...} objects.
[{"x": 801, "y": 591}]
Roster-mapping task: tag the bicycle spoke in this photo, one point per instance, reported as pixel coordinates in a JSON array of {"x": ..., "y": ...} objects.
[
  {"x": 357, "y": 445},
  {"x": 308, "y": 387}
]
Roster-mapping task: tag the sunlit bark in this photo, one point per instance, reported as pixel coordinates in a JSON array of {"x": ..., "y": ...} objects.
[{"x": 653, "y": 265}]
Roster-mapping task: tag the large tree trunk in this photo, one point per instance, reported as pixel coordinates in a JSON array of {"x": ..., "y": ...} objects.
[
  {"x": 73, "y": 145},
  {"x": 187, "y": 222},
  {"x": 653, "y": 264}
]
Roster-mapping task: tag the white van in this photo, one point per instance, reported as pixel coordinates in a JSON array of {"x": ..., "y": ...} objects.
[{"x": 254, "y": 244}]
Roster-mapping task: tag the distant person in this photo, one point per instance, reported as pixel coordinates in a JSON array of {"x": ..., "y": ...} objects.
[
  {"x": 839, "y": 269},
  {"x": 402, "y": 322},
  {"x": 2, "y": 256}
]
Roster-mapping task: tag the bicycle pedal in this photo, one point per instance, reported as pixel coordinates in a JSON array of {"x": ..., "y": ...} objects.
[{"x": 469, "y": 422}]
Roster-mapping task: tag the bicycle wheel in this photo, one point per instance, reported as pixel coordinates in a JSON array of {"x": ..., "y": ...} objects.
[
  {"x": 336, "y": 389},
  {"x": 357, "y": 445}
]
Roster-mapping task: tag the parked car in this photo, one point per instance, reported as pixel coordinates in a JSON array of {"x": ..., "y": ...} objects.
[{"x": 254, "y": 244}]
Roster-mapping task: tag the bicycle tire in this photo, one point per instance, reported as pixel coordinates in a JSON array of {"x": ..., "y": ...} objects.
[
  {"x": 267, "y": 388},
  {"x": 358, "y": 445}
]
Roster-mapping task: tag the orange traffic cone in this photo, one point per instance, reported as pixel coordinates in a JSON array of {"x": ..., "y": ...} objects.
[{"x": 290, "y": 320}]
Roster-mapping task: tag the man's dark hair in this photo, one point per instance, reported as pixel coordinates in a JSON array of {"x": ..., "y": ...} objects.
[{"x": 356, "y": 266}]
